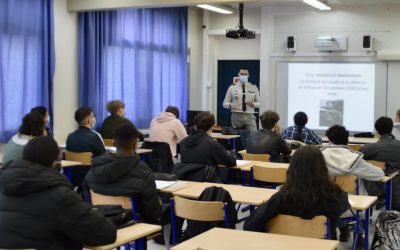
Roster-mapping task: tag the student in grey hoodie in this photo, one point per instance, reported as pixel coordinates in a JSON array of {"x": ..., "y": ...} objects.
[{"x": 342, "y": 160}]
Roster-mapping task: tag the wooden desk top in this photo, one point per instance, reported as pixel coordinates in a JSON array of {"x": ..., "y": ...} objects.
[
  {"x": 357, "y": 140},
  {"x": 272, "y": 165},
  {"x": 224, "y": 137},
  {"x": 240, "y": 194},
  {"x": 229, "y": 239},
  {"x": 389, "y": 177},
  {"x": 179, "y": 186},
  {"x": 129, "y": 234},
  {"x": 361, "y": 202},
  {"x": 65, "y": 164},
  {"x": 244, "y": 165},
  {"x": 113, "y": 150}
]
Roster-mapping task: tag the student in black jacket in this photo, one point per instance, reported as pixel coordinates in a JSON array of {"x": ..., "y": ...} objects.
[
  {"x": 200, "y": 148},
  {"x": 124, "y": 174},
  {"x": 40, "y": 210},
  {"x": 268, "y": 140},
  {"x": 308, "y": 192},
  {"x": 85, "y": 139}
]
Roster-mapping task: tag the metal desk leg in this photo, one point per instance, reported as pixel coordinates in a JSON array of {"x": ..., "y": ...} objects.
[
  {"x": 366, "y": 230},
  {"x": 357, "y": 230},
  {"x": 68, "y": 173},
  {"x": 388, "y": 192},
  {"x": 140, "y": 243}
]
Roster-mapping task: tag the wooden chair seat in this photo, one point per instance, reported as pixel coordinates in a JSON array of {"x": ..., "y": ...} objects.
[
  {"x": 85, "y": 157},
  {"x": 318, "y": 227},
  {"x": 254, "y": 157}
]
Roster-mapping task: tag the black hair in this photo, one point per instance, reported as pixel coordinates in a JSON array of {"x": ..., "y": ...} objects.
[
  {"x": 173, "y": 110},
  {"x": 82, "y": 113},
  {"x": 204, "y": 121},
  {"x": 384, "y": 125},
  {"x": 32, "y": 124},
  {"x": 269, "y": 119},
  {"x": 42, "y": 150},
  {"x": 308, "y": 185},
  {"x": 338, "y": 135},
  {"x": 300, "y": 120},
  {"x": 126, "y": 135},
  {"x": 41, "y": 110},
  {"x": 243, "y": 68}
]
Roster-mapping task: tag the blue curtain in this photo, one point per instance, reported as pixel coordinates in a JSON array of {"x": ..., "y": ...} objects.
[
  {"x": 136, "y": 55},
  {"x": 26, "y": 60}
]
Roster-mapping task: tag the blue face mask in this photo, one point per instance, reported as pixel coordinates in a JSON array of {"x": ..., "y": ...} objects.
[{"x": 243, "y": 79}]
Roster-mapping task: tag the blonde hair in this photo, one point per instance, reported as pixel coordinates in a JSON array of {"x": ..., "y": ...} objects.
[{"x": 114, "y": 106}]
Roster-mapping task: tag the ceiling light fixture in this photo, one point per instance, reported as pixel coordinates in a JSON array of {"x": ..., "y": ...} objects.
[
  {"x": 216, "y": 8},
  {"x": 317, "y": 4}
]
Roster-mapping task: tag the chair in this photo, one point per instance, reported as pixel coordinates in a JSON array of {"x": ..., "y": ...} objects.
[
  {"x": 268, "y": 174},
  {"x": 108, "y": 142},
  {"x": 318, "y": 227},
  {"x": 355, "y": 147},
  {"x": 348, "y": 183},
  {"x": 197, "y": 211},
  {"x": 125, "y": 202},
  {"x": 254, "y": 157},
  {"x": 85, "y": 157},
  {"x": 379, "y": 164}
]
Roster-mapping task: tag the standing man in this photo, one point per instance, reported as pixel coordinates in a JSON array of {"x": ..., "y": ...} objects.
[{"x": 242, "y": 98}]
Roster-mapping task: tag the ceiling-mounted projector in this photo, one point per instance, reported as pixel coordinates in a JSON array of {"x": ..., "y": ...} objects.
[
  {"x": 241, "y": 32},
  {"x": 331, "y": 43}
]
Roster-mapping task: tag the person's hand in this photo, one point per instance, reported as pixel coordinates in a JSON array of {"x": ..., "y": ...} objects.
[
  {"x": 250, "y": 102},
  {"x": 276, "y": 129},
  {"x": 233, "y": 106}
]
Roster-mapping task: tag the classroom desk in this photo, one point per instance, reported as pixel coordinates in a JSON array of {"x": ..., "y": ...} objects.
[
  {"x": 66, "y": 164},
  {"x": 230, "y": 138},
  {"x": 244, "y": 165},
  {"x": 362, "y": 203},
  {"x": 357, "y": 140},
  {"x": 229, "y": 239},
  {"x": 240, "y": 194},
  {"x": 135, "y": 232},
  {"x": 179, "y": 185}
]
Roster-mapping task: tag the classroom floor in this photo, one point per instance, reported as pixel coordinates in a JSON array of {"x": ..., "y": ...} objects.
[{"x": 342, "y": 245}]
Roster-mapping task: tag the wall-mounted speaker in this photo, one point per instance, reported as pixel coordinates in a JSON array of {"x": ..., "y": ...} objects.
[
  {"x": 291, "y": 44},
  {"x": 367, "y": 43}
]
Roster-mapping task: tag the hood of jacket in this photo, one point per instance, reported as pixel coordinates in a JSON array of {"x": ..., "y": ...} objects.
[
  {"x": 165, "y": 117},
  {"x": 109, "y": 169},
  {"x": 195, "y": 138},
  {"x": 340, "y": 158},
  {"x": 21, "y": 177}
]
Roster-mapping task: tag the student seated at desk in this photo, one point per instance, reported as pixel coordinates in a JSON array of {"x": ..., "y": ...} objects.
[
  {"x": 268, "y": 140},
  {"x": 32, "y": 125},
  {"x": 308, "y": 192},
  {"x": 341, "y": 160},
  {"x": 200, "y": 148},
  {"x": 167, "y": 127},
  {"x": 299, "y": 132},
  {"x": 40, "y": 210},
  {"x": 42, "y": 111},
  {"x": 116, "y": 108},
  {"x": 124, "y": 174},
  {"x": 387, "y": 148},
  {"x": 85, "y": 139}
]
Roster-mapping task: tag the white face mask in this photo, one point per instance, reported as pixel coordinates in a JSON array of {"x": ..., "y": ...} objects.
[{"x": 243, "y": 78}]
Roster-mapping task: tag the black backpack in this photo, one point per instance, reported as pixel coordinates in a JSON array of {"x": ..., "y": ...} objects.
[
  {"x": 212, "y": 194},
  {"x": 120, "y": 217},
  {"x": 387, "y": 232}
]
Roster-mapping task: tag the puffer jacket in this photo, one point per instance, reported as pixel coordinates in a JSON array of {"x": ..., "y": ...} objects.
[
  {"x": 39, "y": 209},
  {"x": 126, "y": 176}
]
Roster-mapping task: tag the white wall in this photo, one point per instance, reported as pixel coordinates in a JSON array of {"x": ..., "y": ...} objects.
[
  {"x": 195, "y": 41},
  {"x": 379, "y": 21},
  {"x": 66, "y": 74}
]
